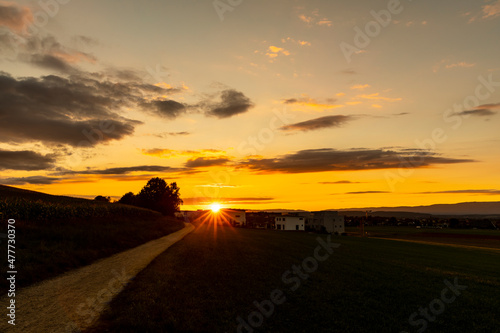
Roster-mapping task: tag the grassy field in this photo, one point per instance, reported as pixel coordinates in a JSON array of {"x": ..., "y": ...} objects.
[
  {"x": 56, "y": 234},
  {"x": 208, "y": 280},
  {"x": 467, "y": 237}
]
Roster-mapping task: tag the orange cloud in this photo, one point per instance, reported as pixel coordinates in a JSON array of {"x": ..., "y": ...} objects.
[
  {"x": 275, "y": 51},
  {"x": 299, "y": 42},
  {"x": 325, "y": 22},
  {"x": 168, "y": 153},
  {"x": 360, "y": 86},
  {"x": 315, "y": 19},
  {"x": 74, "y": 57},
  {"x": 376, "y": 96},
  {"x": 462, "y": 64},
  {"x": 491, "y": 11},
  {"x": 306, "y": 19},
  {"x": 311, "y": 103},
  {"x": 15, "y": 17}
]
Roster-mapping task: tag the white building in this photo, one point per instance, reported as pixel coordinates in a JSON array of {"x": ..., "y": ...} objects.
[
  {"x": 236, "y": 217},
  {"x": 328, "y": 221},
  {"x": 288, "y": 222}
]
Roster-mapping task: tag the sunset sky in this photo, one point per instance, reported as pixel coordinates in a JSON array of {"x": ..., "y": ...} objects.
[{"x": 254, "y": 104}]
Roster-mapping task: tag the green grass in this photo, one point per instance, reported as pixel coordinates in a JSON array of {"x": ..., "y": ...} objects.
[
  {"x": 403, "y": 230},
  {"x": 458, "y": 237},
  {"x": 203, "y": 283},
  {"x": 56, "y": 234}
]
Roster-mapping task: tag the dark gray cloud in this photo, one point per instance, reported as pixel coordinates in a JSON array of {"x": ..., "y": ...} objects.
[
  {"x": 368, "y": 192},
  {"x": 51, "y": 62},
  {"x": 477, "y": 113},
  {"x": 290, "y": 101},
  {"x": 232, "y": 102},
  {"x": 167, "y": 134},
  {"x": 46, "y": 52},
  {"x": 484, "y": 110},
  {"x": 56, "y": 110},
  {"x": 121, "y": 170},
  {"x": 318, "y": 123},
  {"x": 166, "y": 108},
  {"x": 201, "y": 162},
  {"x": 25, "y": 160},
  {"x": 327, "y": 159},
  {"x": 33, "y": 180},
  {"x": 349, "y": 72},
  {"x": 179, "y": 133}
]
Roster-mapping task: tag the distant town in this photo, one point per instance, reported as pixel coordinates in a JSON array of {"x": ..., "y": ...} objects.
[{"x": 335, "y": 221}]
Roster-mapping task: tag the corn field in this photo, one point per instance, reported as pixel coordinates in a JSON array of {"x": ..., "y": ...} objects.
[{"x": 42, "y": 211}]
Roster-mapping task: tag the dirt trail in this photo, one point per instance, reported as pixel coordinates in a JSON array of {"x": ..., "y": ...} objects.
[{"x": 74, "y": 300}]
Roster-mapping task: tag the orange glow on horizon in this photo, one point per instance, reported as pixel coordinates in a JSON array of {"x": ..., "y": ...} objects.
[{"x": 215, "y": 207}]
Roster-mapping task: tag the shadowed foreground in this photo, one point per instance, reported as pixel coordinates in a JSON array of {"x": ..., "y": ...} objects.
[
  {"x": 223, "y": 281},
  {"x": 71, "y": 302}
]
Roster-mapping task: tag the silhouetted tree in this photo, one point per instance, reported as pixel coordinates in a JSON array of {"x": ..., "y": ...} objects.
[
  {"x": 128, "y": 199},
  {"x": 102, "y": 198},
  {"x": 158, "y": 195}
]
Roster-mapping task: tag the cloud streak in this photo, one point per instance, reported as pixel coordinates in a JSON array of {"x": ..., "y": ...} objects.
[
  {"x": 311, "y": 103},
  {"x": 327, "y": 159},
  {"x": 121, "y": 170},
  {"x": 25, "y": 160},
  {"x": 486, "y": 192},
  {"x": 484, "y": 110},
  {"x": 339, "y": 182},
  {"x": 367, "y": 192},
  {"x": 318, "y": 123},
  {"x": 32, "y": 180},
  {"x": 203, "y": 162}
]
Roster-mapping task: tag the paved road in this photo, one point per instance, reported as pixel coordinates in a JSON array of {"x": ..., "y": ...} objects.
[{"x": 73, "y": 301}]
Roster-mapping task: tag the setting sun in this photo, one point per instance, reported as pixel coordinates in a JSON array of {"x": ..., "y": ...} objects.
[{"x": 215, "y": 207}]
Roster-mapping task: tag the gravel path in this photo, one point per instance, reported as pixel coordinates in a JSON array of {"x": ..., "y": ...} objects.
[{"x": 74, "y": 300}]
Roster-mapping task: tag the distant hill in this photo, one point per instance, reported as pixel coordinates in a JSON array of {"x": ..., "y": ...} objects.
[
  {"x": 361, "y": 213},
  {"x": 7, "y": 192},
  {"x": 463, "y": 208}
]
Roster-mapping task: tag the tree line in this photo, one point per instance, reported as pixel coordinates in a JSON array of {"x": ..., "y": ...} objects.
[{"x": 156, "y": 195}]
